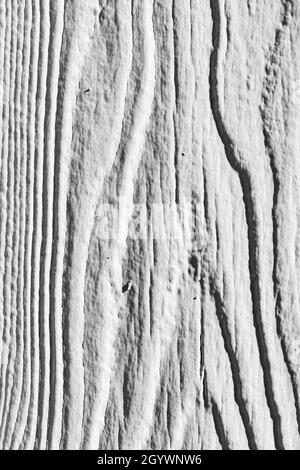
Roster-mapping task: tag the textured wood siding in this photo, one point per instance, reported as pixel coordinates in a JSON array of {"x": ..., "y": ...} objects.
[{"x": 149, "y": 224}]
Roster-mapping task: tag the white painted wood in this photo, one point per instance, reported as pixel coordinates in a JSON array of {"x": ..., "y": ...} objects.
[{"x": 149, "y": 224}]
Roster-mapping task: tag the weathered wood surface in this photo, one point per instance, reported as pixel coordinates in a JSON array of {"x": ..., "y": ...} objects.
[{"x": 149, "y": 224}]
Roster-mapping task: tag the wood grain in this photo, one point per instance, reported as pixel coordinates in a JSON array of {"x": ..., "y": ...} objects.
[{"x": 149, "y": 224}]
